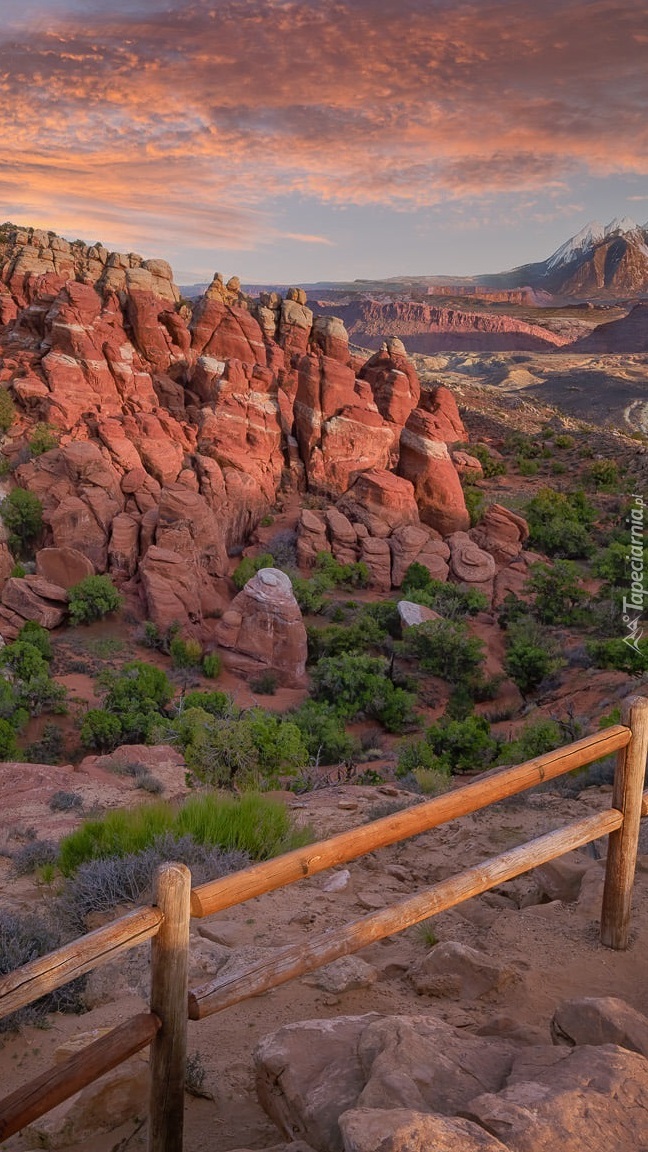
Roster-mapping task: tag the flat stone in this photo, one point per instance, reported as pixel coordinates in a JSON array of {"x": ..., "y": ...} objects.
[
  {"x": 337, "y": 882},
  {"x": 372, "y": 901}
]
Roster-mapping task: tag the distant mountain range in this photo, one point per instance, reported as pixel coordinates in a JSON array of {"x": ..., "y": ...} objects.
[{"x": 603, "y": 262}]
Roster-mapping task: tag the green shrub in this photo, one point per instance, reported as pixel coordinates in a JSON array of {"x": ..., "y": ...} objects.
[
  {"x": 530, "y": 655},
  {"x": 7, "y": 411},
  {"x": 559, "y": 594},
  {"x": 309, "y": 594},
  {"x": 28, "y": 685},
  {"x": 353, "y": 575},
  {"x": 609, "y": 720},
  {"x": 449, "y": 600},
  {"x": 34, "y": 634},
  {"x": 522, "y": 445},
  {"x": 92, "y": 599},
  {"x": 355, "y": 683},
  {"x": 323, "y": 732},
  {"x": 23, "y": 661},
  {"x": 265, "y": 684},
  {"x": 216, "y": 703},
  {"x": 491, "y": 466},
  {"x": 212, "y": 665},
  {"x": 418, "y": 755},
  {"x": 137, "y": 695},
  {"x": 42, "y": 439},
  {"x": 527, "y": 467},
  {"x": 8, "y": 747},
  {"x": 335, "y": 639},
  {"x": 18, "y": 571},
  {"x": 604, "y": 476},
  {"x": 462, "y": 745},
  {"x": 475, "y": 500},
  {"x": 564, "y": 441},
  {"x": 513, "y": 609},
  {"x": 558, "y": 468},
  {"x": 100, "y": 730},
  {"x": 185, "y": 653},
  {"x": 244, "y": 750},
  {"x": 445, "y": 649},
  {"x": 253, "y": 824},
  {"x": 417, "y": 578},
  {"x": 118, "y": 833},
  {"x": 619, "y": 655},
  {"x": 559, "y": 524},
  {"x": 348, "y": 682},
  {"x": 22, "y": 513},
  {"x": 49, "y": 749},
  {"x": 249, "y": 567},
  {"x": 534, "y": 740}
]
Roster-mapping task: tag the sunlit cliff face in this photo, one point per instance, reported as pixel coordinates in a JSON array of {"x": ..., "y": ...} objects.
[{"x": 250, "y": 123}]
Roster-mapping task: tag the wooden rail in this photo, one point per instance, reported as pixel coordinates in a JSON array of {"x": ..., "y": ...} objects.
[
  {"x": 216, "y": 895},
  {"x": 41, "y": 976},
  {"x": 166, "y": 924},
  {"x": 301, "y": 958},
  {"x": 57, "y": 1084}
]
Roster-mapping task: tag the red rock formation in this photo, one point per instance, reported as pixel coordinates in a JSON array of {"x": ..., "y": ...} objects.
[
  {"x": 311, "y": 537},
  {"x": 34, "y": 598},
  {"x": 394, "y": 383},
  {"x": 443, "y": 417},
  {"x": 63, "y": 566},
  {"x": 263, "y": 630},
  {"x": 338, "y": 427},
  {"x": 425, "y": 462},
  {"x": 470, "y": 565},
  {"x": 381, "y": 501},
  {"x": 177, "y": 431},
  {"x": 501, "y": 532}
]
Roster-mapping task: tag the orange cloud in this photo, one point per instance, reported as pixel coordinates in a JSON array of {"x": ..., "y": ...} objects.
[{"x": 151, "y": 120}]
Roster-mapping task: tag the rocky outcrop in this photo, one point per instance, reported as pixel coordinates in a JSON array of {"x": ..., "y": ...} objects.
[
  {"x": 425, "y": 462},
  {"x": 442, "y": 414},
  {"x": 262, "y": 630},
  {"x": 376, "y": 522},
  {"x": 417, "y": 1083},
  {"x": 338, "y": 427},
  {"x": 33, "y": 598},
  {"x": 381, "y": 501},
  {"x": 63, "y": 566},
  {"x": 394, "y": 384},
  {"x": 470, "y": 565},
  {"x": 501, "y": 532},
  {"x": 178, "y": 427}
]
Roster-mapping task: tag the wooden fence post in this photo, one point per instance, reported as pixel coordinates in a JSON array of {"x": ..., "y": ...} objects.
[
  {"x": 169, "y": 984},
  {"x": 622, "y": 849}
]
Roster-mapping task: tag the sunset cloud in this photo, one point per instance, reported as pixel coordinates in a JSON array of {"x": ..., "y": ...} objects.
[{"x": 153, "y": 120}]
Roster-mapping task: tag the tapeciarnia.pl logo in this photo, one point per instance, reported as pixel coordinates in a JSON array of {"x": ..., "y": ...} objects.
[{"x": 633, "y": 600}]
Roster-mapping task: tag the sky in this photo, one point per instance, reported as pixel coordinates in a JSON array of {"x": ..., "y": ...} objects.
[{"x": 303, "y": 140}]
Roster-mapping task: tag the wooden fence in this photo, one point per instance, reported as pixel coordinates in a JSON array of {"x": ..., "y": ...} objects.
[{"x": 166, "y": 923}]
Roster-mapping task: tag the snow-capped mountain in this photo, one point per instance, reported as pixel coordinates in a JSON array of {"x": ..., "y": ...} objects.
[
  {"x": 592, "y": 234},
  {"x": 582, "y": 242},
  {"x": 608, "y": 261}
]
